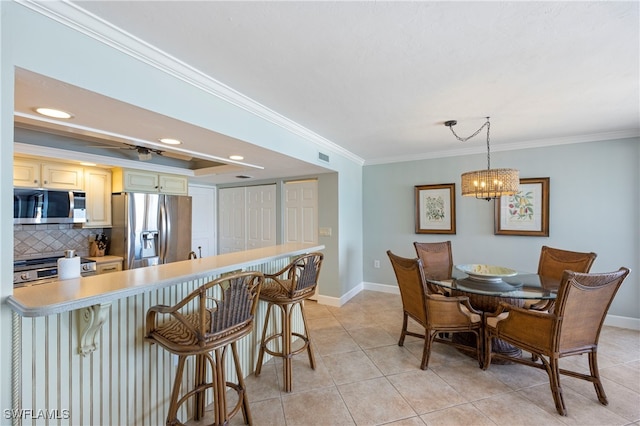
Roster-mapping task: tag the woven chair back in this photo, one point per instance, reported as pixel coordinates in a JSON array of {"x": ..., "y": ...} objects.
[
  {"x": 237, "y": 304},
  {"x": 582, "y": 304},
  {"x": 305, "y": 271},
  {"x": 411, "y": 282},
  {"x": 553, "y": 262},
  {"x": 437, "y": 259}
]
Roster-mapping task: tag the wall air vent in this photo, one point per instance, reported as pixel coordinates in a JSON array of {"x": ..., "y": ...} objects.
[{"x": 323, "y": 157}]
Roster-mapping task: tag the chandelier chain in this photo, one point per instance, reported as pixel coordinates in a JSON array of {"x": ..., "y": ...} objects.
[
  {"x": 488, "y": 150},
  {"x": 461, "y": 139}
]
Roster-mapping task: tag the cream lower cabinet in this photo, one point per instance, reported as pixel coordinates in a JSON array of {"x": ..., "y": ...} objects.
[
  {"x": 98, "y": 192},
  {"x": 28, "y": 173},
  {"x": 125, "y": 180},
  {"x": 108, "y": 263},
  {"x": 106, "y": 267}
]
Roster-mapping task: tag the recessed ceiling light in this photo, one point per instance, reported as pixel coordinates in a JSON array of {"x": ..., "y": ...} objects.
[
  {"x": 236, "y": 157},
  {"x": 170, "y": 141},
  {"x": 54, "y": 113}
]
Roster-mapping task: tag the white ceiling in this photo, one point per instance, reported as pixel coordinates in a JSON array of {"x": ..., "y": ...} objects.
[{"x": 379, "y": 78}]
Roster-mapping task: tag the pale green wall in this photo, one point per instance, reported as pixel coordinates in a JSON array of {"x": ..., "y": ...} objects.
[{"x": 594, "y": 205}]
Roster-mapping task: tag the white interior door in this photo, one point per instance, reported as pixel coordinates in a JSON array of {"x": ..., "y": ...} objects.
[
  {"x": 203, "y": 225},
  {"x": 247, "y": 218},
  {"x": 232, "y": 220},
  {"x": 301, "y": 211},
  {"x": 261, "y": 216}
]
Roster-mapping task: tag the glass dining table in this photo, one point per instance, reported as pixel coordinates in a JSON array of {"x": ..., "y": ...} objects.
[{"x": 486, "y": 295}]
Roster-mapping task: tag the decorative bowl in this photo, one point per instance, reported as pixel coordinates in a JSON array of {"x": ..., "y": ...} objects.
[{"x": 486, "y": 273}]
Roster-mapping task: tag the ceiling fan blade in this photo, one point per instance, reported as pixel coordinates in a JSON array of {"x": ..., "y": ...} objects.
[{"x": 175, "y": 155}]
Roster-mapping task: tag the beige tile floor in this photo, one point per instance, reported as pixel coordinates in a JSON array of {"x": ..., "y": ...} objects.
[{"x": 363, "y": 377}]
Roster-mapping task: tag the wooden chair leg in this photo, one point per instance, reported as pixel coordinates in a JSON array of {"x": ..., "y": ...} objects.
[
  {"x": 286, "y": 347},
  {"x": 426, "y": 352},
  {"x": 219, "y": 388},
  {"x": 307, "y": 337},
  {"x": 242, "y": 392},
  {"x": 262, "y": 341},
  {"x": 200, "y": 379},
  {"x": 403, "y": 334},
  {"x": 479, "y": 346},
  {"x": 486, "y": 350},
  {"x": 556, "y": 389},
  {"x": 593, "y": 368},
  {"x": 172, "y": 415}
]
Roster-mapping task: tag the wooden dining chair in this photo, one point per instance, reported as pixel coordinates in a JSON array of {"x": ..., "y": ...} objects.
[
  {"x": 434, "y": 312},
  {"x": 552, "y": 264},
  {"x": 571, "y": 328}
]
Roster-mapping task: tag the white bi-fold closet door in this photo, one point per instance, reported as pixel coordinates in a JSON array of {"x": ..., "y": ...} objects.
[{"x": 247, "y": 218}]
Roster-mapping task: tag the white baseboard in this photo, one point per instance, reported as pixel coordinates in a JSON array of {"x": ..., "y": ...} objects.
[
  {"x": 610, "y": 320},
  {"x": 383, "y": 288},
  {"x": 622, "y": 322}
]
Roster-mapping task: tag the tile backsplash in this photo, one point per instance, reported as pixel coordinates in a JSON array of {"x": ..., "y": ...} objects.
[{"x": 51, "y": 240}]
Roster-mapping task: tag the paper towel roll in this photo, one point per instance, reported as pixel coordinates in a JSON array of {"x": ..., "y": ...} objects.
[{"x": 68, "y": 267}]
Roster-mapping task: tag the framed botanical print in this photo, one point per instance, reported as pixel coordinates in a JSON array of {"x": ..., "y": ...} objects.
[
  {"x": 526, "y": 212},
  {"x": 435, "y": 209}
]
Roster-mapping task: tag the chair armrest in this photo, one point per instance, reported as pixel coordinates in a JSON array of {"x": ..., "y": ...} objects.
[
  {"x": 449, "y": 310},
  {"x": 162, "y": 309},
  {"x": 280, "y": 272},
  {"x": 455, "y": 299}
]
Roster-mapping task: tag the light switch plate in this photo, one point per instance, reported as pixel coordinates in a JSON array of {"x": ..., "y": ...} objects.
[{"x": 325, "y": 232}]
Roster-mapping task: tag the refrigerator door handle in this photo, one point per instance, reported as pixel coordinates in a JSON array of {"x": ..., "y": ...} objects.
[{"x": 165, "y": 229}]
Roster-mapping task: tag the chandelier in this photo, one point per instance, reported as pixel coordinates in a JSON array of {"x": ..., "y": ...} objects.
[{"x": 490, "y": 183}]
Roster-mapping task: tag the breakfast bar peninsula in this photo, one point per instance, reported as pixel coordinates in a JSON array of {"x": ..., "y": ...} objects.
[{"x": 78, "y": 345}]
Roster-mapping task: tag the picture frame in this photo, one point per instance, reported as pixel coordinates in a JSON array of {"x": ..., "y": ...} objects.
[
  {"x": 526, "y": 212},
  {"x": 435, "y": 209}
]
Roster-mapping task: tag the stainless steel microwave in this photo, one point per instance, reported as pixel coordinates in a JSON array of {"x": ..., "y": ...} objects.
[{"x": 33, "y": 206}]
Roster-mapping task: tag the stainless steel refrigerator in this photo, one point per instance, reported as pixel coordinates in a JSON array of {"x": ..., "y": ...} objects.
[{"x": 150, "y": 229}]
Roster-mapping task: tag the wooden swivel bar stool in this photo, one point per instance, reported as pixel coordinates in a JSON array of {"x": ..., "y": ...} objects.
[
  {"x": 287, "y": 288},
  {"x": 204, "y": 324}
]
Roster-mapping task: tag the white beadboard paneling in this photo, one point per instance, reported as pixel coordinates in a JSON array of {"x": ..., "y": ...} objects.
[{"x": 126, "y": 380}]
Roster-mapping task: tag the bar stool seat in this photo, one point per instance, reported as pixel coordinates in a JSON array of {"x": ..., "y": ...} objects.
[
  {"x": 285, "y": 289},
  {"x": 205, "y": 324}
]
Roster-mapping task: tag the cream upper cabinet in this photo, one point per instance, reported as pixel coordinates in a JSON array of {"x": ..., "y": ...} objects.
[
  {"x": 26, "y": 173},
  {"x": 174, "y": 184},
  {"x": 35, "y": 174},
  {"x": 97, "y": 184},
  {"x": 125, "y": 180}
]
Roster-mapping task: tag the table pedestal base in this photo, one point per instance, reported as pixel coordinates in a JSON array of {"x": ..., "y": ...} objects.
[
  {"x": 486, "y": 303},
  {"x": 497, "y": 346}
]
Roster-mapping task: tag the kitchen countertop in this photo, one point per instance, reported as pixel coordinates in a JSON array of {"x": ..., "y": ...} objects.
[{"x": 67, "y": 295}]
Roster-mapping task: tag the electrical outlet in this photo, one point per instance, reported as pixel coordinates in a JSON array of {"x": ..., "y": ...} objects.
[{"x": 376, "y": 263}]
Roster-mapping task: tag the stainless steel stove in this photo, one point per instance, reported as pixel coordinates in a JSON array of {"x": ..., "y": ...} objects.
[{"x": 44, "y": 270}]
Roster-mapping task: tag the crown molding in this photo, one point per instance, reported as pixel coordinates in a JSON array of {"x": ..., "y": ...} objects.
[
  {"x": 540, "y": 143},
  {"x": 80, "y": 20}
]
